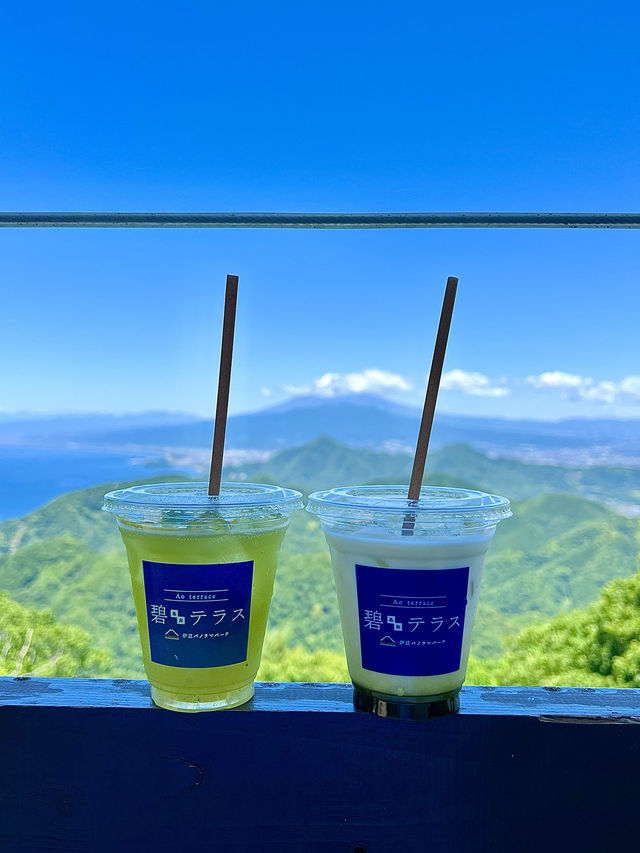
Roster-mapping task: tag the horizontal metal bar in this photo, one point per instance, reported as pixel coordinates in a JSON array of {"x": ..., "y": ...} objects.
[{"x": 320, "y": 220}]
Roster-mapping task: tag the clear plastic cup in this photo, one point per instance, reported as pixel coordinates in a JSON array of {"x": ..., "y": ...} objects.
[
  {"x": 202, "y": 573},
  {"x": 407, "y": 576}
]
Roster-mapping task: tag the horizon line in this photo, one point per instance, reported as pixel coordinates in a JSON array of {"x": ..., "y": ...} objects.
[{"x": 27, "y": 415}]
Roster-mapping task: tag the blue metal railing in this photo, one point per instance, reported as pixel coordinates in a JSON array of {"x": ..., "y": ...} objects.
[{"x": 320, "y": 220}]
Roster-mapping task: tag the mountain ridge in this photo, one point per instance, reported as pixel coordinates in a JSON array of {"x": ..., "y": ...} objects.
[{"x": 359, "y": 419}]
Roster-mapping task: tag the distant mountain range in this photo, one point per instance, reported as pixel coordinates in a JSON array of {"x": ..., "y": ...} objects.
[
  {"x": 324, "y": 463},
  {"x": 357, "y": 419}
]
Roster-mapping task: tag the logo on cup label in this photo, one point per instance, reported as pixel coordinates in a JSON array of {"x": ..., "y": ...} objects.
[
  {"x": 198, "y": 615},
  {"x": 411, "y": 622}
]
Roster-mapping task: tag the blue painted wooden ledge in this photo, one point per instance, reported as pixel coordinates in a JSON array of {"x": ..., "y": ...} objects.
[{"x": 93, "y": 766}]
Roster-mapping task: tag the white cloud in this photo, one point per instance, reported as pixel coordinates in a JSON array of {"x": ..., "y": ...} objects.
[
  {"x": 631, "y": 386},
  {"x": 371, "y": 381},
  {"x": 474, "y": 384},
  {"x": 599, "y": 392},
  {"x": 556, "y": 379},
  {"x": 570, "y": 386},
  {"x": 266, "y": 392},
  {"x": 574, "y": 387}
]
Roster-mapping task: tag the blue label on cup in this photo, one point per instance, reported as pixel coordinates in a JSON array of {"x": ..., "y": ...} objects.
[
  {"x": 198, "y": 616},
  {"x": 411, "y": 621}
]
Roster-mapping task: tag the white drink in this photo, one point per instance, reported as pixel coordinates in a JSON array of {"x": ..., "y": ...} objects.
[
  {"x": 407, "y": 577},
  {"x": 413, "y": 555}
]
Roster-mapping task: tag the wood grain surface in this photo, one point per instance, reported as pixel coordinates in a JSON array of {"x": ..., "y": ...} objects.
[{"x": 93, "y": 766}]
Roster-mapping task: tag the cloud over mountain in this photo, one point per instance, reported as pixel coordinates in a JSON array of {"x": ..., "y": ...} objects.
[
  {"x": 375, "y": 381},
  {"x": 474, "y": 384},
  {"x": 572, "y": 386},
  {"x": 369, "y": 381},
  {"x": 569, "y": 386}
]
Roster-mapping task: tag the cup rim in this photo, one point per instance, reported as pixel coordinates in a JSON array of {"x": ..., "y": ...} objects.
[
  {"x": 191, "y": 500},
  {"x": 436, "y": 504}
]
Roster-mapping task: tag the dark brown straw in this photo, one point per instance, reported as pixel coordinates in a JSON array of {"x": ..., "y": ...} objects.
[
  {"x": 428, "y": 411},
  {"x": 224, "y": 382}
]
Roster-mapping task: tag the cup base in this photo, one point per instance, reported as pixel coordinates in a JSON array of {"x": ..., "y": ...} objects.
[
  {"x": 193, "y": 703},
  {"x": 409, "y": 708}
]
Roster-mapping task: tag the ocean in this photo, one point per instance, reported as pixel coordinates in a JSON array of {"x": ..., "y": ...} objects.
[{"x": 32, "y": 476}]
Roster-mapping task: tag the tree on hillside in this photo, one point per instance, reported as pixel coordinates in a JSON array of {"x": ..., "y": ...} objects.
[
  {"x": 596, "y": 647},
  {"x": 281, "y": 662},
  {"x": 33, "y": 643}
]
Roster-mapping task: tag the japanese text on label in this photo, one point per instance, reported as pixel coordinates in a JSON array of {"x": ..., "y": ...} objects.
[
  {"x": 198, "y": 615},
  {"x": 411, "y": 621}
]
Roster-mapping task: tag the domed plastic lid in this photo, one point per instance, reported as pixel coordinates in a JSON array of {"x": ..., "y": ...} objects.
[
  {"x": 437, "y": 505},
  {"x": 188, "y": 503}
]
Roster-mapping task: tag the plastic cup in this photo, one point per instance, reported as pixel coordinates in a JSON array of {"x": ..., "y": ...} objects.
[
  {"x": 407, "y": 576},
  {"x": 202, "y": 573}
]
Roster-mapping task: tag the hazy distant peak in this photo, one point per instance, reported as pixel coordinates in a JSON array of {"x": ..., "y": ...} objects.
[{"x": 374, "y": 401}]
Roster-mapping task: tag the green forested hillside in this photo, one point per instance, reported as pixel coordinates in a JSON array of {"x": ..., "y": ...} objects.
[
  {"x": 554, "y": 555},
  {"x": 281, "y": 661},
  {"x": 518, "y": 480},
  {"x": 81, "y": 586},
  {"x": 33, "y": 643},
  {"x": 76, "y": 514},
  {"x": 325, "y": 463},
  {"x": 596, "y": 647}
]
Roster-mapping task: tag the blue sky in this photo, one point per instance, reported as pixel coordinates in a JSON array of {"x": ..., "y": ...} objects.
[{"x": 332, "y": 107}]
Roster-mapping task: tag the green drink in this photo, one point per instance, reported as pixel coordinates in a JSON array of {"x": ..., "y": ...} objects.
[{"x": 202, "y": 573}]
